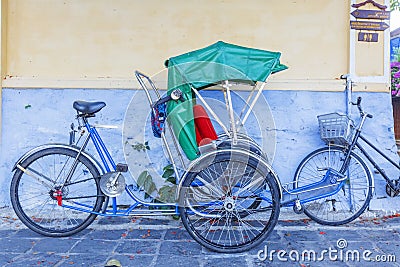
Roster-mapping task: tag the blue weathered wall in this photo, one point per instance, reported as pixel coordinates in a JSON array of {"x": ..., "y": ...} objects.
[{"x": 31, "y": 117}]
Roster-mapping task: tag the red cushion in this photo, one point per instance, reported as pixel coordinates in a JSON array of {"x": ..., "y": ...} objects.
[{"x": 205, "y": 132}]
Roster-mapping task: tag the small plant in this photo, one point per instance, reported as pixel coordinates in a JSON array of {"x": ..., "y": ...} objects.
[
  {"x": 166, "y": 193},
  {"x": 141, "y": 147}
]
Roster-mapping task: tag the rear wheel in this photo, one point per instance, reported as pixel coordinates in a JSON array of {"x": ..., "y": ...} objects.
[
  {"x": 354, "y": 193},
  {"x": 40, "y": 178},
  {"x": 230, "y": 204}
]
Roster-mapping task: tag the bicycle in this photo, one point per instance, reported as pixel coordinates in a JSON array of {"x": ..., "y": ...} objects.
[{"x": 340, "y": 157}]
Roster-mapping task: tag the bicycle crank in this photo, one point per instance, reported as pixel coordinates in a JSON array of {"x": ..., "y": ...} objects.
[{"x": 112, "y": 184}]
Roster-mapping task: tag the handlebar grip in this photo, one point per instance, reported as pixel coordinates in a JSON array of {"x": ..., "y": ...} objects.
[
  {"x": 162, "y": 101},
  {"x": 370, "y": 116},
  {"x": 359, "y": 100}
]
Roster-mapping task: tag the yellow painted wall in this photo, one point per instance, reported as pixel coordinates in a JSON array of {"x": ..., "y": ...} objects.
[
  {"x": 79, "y": 40},
  {"x": 3, "y": 37}
]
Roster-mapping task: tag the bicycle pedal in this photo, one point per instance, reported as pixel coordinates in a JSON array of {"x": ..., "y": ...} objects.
[
  {"x": 297, "y": 207},
  {"x": 122, "y": 167}
]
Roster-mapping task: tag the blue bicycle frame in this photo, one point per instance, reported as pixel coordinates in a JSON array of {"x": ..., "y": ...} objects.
[{"x": 110, "y": 166}]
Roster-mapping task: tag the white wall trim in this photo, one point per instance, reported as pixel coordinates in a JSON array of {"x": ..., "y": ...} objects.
[
  {"x": 371, "y": 84},
  {"x": 385, "y": 78}
]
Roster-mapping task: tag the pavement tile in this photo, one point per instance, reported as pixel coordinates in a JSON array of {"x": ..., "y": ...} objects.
[
  {"x": 97, "y": 260},
  {"x": 150, "y": 221},
  {"x": 35, "y": 259},
  {"x": 94, "y": 247},
  {"x": 381, "y": 235},
  {"x": 113, "y": 220},
  {"x": 390, "y": 247},
  {"x": 332, "y": 236},
  {"x": 107, "y": 234},
  {"x": 178, "y": 261},
  {"x": 177, "y": 234},
  {"x": 225, "y": 261},
  {"x": 304, "y": 222},
  {"x": 137, "y": 247},
  {"x": 371, "y": 264},
  {"x": 28, "y": 233},
  {"x": 54, "y": 245},
  {"x": 6, "y": 258},
  {"x": 302, "y": 235},
  {"x": 145, "y": 234},
  {"x": 275, "y": 263},
  {"x": 6, "y": 233},
  {"x": 19, "y": 245},
  {"x": 180, "y": 248}
]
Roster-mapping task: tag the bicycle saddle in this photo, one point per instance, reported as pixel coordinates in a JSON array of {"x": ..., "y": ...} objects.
[{"x": 88, "y": 107}]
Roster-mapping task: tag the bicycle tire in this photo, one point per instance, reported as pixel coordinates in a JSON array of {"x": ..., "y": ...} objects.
[
  {"x": 35, "y": 203},
  {"x": 235, "y": 208},
  {"x": 353, "y": 197}
]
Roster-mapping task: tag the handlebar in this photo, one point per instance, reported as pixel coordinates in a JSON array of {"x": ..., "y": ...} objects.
[
  {"x": 362, "y": 113},
  {"x": 175, "y": 95}
]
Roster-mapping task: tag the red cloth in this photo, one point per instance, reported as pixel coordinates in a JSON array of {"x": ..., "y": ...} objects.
[{"x": 205, "y": 132}]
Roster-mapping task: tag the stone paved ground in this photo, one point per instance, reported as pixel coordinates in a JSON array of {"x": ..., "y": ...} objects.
[{"x": 164, "y": 242}]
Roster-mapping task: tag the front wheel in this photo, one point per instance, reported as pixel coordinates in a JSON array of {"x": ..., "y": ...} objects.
[
  {"x": 347, "y": 194},
  {"x": 229, "y": 204},
  {"x": 41, "y": 177}
]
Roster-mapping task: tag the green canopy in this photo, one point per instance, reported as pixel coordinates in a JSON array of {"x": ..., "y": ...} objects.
[{"x": 206, "y": 67}]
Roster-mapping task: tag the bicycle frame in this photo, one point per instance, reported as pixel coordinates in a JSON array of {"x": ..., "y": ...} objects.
[
  {"x": 110, "y": 166},
  {"x": 376, "y": 166},
  {"x": 356, "y": 144}
]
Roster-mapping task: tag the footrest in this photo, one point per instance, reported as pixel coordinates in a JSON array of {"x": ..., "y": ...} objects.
[{"x": 122, "y": 167}]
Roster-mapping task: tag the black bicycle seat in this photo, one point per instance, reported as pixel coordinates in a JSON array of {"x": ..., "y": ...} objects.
[{"x": 88, "y": 107}]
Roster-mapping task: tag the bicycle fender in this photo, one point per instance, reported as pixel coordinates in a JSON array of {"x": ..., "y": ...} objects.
[
  {"x": 195, "y": 162},
  {"x": 46, "y": 146}
]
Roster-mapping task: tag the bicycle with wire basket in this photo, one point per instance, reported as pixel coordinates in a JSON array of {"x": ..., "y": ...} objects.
[{"x": 348, "y": 179}]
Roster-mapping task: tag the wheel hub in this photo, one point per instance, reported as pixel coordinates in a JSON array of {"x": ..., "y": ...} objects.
[
  {"x": 229, "y": 204},
  {"x": 56, "y": 191}
]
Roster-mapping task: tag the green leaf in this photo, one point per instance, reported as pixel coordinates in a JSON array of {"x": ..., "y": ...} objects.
[
  {"x": 167, "y": 194},
  {"x": 146, "y": 182},
  {"x": 168, "y": 167},
  {"x": 147, "y": 147},
  {"x": 172, "y": 180},
  {"x": 168, "y": 173},
  {"x": 141, "y": 178}
]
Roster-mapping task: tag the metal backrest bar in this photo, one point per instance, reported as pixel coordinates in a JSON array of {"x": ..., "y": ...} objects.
[{"x": 140, "y": 76}]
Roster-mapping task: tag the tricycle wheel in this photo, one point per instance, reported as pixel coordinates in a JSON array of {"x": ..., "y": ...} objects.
[{"x": 230, "y": 202}]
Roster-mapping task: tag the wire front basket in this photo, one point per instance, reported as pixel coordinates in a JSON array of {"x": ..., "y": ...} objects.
[{"x": 335, "y": 128}]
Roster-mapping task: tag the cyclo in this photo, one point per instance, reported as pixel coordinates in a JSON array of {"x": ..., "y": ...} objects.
[{"x": 227, "y": 196}]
